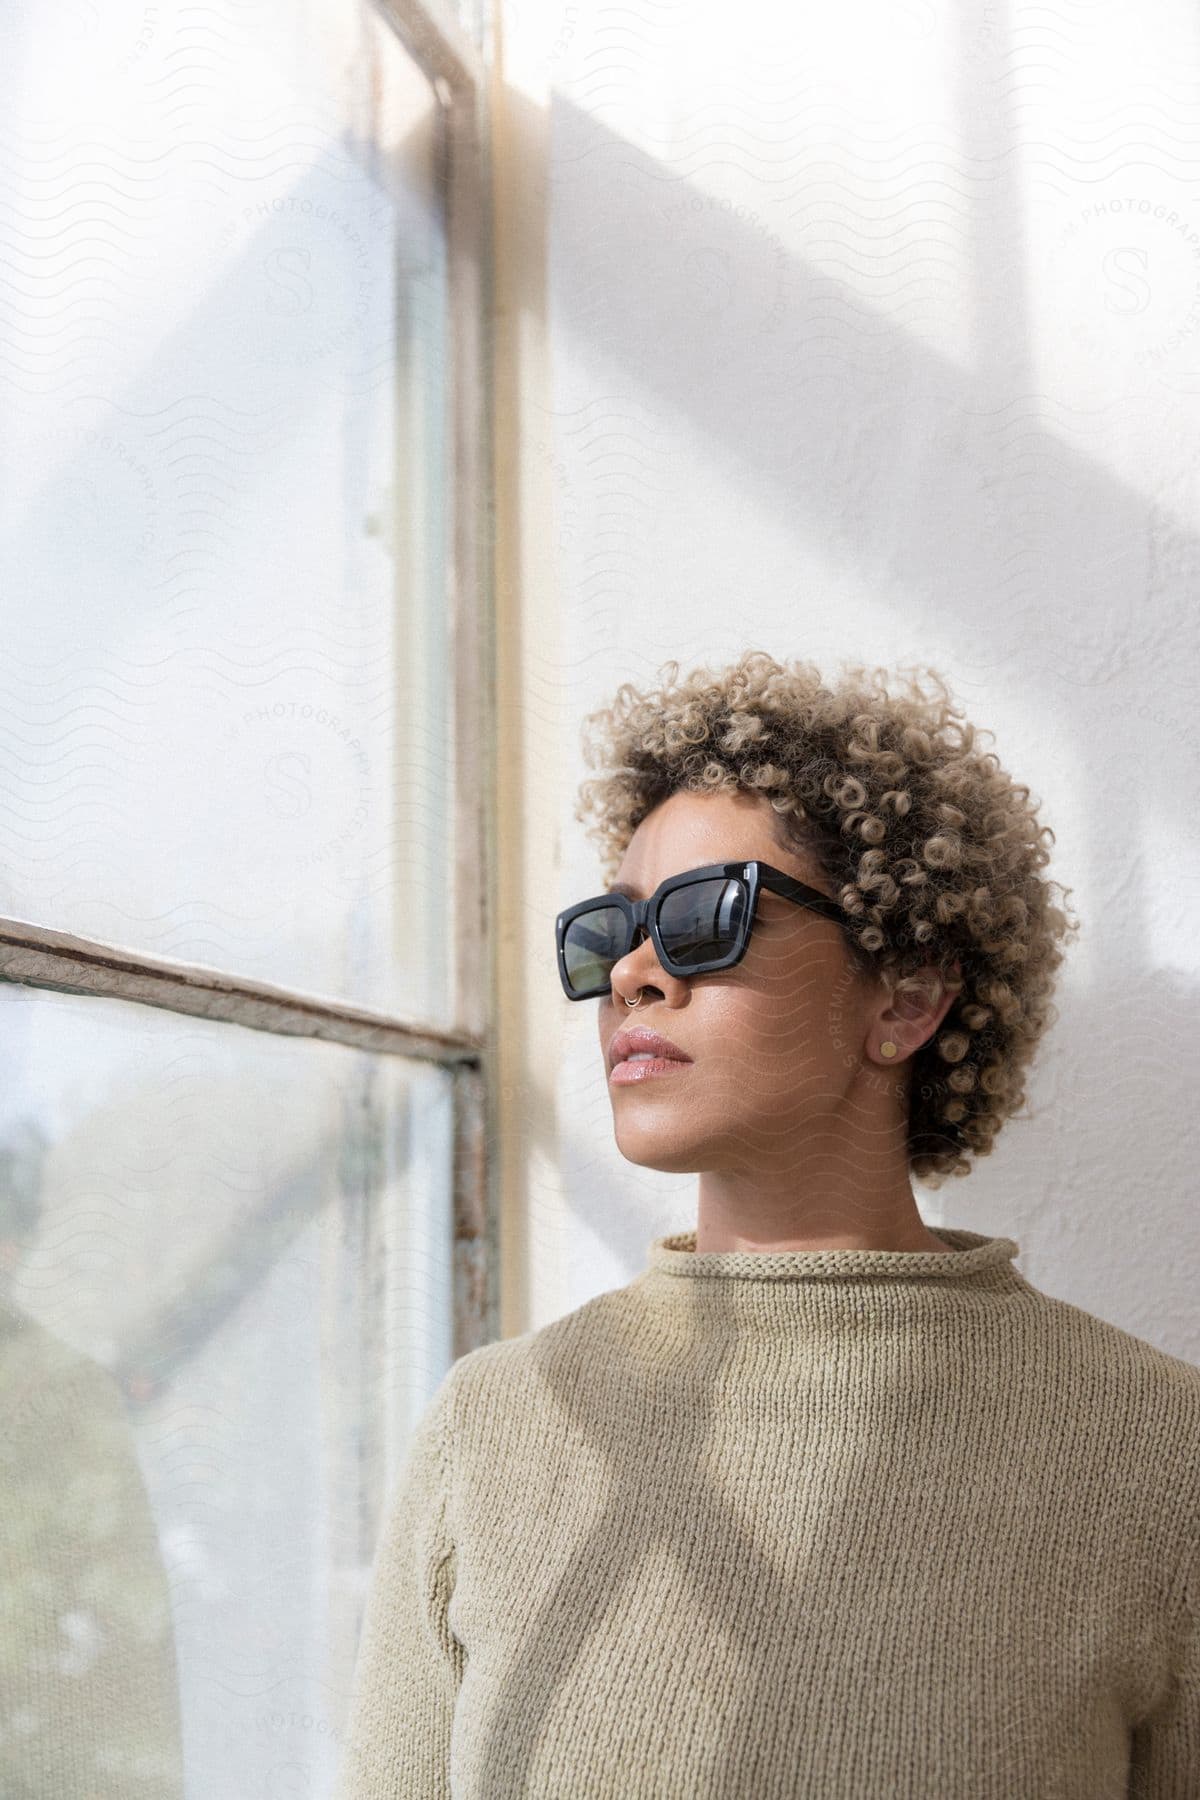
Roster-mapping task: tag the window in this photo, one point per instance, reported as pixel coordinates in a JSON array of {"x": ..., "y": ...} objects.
[{"x": 245, "y": 1205}]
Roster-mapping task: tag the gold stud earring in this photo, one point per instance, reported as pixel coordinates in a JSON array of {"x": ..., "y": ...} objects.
[{"x": 887, "y": 1048}]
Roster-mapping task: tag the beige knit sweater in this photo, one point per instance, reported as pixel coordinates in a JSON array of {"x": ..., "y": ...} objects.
[{"x": 839, "y": 1525}]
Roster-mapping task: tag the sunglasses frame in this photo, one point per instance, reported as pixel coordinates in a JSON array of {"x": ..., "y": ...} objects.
[{"x": 643, "y": 915}]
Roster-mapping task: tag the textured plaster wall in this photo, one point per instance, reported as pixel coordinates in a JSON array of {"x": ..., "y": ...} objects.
[{"x": 875, "y": 333}]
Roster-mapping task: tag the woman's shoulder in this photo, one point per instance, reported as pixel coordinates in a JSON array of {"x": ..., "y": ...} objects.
[
  {"x": 573, "y": 1334},
  {"x": 519, "y": 1388},
  {"x": 1119, "y": 1355}
]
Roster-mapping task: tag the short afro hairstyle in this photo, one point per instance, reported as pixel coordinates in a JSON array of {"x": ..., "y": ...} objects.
[{"x": 926, "y": 841}]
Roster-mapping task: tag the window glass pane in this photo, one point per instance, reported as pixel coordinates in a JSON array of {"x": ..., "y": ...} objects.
[
  {"x": 471, "y": 17},
  {"x": 225, "y": 1273},
  {"x": 226, "y": 726}
]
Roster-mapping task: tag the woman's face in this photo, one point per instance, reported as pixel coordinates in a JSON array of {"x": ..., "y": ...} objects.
[{"x": 776, "y": 1042}]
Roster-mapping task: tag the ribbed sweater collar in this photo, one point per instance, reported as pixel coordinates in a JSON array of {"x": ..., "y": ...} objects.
[
  {"x": 726, "y": 1298},
  {"x": 978, "y": 1261}
]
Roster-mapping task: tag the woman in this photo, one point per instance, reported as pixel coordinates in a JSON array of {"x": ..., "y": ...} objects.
[{"x": 824, "y": 1503}]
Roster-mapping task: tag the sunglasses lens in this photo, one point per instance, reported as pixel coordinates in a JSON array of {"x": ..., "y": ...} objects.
[
  {"x": 594, "y": 941},
  {"x": 701, "y": 923}
]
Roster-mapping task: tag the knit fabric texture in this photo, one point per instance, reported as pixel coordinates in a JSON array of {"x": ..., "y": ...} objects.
[{"x": 838, "y": 1524}]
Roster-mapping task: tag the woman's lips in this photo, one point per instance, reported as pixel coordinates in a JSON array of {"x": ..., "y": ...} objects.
[{"x": 627, "y": 1073}]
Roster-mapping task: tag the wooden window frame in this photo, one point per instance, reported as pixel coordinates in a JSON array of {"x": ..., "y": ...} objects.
[{"x": 37, "y": 956}]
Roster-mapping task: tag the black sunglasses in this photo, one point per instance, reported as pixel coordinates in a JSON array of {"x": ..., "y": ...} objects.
[{"x": 698, "y": 921}]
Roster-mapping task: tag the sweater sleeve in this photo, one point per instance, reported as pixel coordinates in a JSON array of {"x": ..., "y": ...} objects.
[
  {"x": 409, "y": 1665},
  {"x": 1165, "y": 1747}
]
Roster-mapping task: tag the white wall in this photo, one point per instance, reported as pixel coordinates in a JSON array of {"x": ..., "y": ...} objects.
[{"x": 875, "y": 333}]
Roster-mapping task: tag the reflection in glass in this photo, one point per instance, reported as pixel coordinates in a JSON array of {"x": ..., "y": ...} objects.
[{"x": 224, "y": 1257}]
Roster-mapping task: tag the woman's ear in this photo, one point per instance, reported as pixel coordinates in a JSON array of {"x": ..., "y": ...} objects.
[{"x": 916, "y": 1016}]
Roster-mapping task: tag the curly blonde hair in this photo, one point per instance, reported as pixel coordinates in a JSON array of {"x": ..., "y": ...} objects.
[{"x": 928, "y": 844}]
